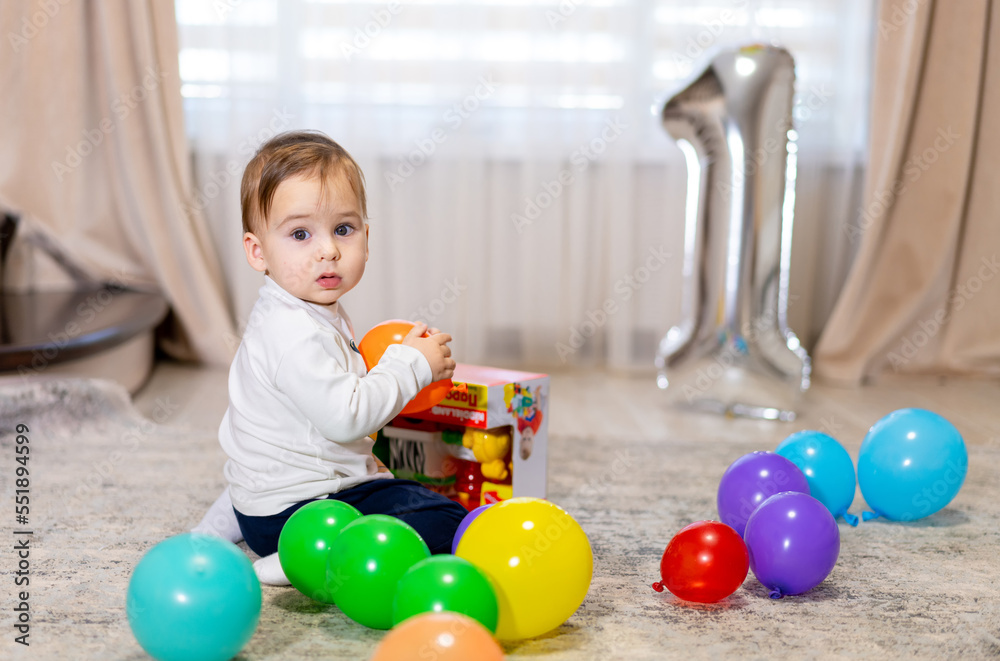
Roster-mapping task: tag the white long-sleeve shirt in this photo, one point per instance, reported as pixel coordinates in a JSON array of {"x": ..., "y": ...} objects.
[{"x": 301, "y": 404}]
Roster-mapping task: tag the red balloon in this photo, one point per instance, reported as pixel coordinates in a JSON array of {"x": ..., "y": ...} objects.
[
  {"x": 704, "y": 562},
  {"x": 374, "y": 344}
]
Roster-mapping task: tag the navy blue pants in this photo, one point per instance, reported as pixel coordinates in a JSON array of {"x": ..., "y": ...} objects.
[{"x": 432, "y": 515}]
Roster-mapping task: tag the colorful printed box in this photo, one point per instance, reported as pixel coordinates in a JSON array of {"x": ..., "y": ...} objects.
[{"x": 485, "y": 442}]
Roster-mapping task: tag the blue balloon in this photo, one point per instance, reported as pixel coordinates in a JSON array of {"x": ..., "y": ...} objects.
[
  {"x": 827, "y": 467},
  {"x": 911, "y": 464},
  {"x": 193, "y": 597}
]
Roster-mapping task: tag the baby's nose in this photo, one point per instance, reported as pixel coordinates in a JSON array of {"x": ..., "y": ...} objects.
[{"x": 328, "y": 249}]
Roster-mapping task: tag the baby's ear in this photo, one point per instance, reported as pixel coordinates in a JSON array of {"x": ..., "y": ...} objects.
[{"x": 254, "y": 251}]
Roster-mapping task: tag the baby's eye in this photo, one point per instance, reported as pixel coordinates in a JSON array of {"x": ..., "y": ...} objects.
[
  {"x": 343, "y": 230},
  {"x": 300, "y": 235}
]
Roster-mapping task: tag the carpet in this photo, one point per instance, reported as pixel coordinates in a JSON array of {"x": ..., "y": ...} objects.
[{"x": 107, "y": 484}]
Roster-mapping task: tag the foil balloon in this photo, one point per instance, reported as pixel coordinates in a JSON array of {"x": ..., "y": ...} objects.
[{"x": 732, "y": 351}]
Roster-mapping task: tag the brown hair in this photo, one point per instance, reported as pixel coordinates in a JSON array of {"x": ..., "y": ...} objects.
[{"x": 287, "y": 155}]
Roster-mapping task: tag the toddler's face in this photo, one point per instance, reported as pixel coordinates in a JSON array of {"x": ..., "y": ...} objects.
[
  {"x": 315, "y": 246},
  {"x": 527, "y": 442}
]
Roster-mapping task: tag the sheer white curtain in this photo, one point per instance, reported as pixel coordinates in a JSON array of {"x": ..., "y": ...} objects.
[{"x": 522, "y": 193}]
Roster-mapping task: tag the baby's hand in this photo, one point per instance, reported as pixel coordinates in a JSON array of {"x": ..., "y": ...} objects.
[{"x": 435, "y": 349}]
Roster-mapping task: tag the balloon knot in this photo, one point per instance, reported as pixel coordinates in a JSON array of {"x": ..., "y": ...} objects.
[
  {"x": 868, "y": 516},
  {"x": 658, "y": 587},
  {"x": 851, "y": 519},
  {"x": 775, "y": 594}
]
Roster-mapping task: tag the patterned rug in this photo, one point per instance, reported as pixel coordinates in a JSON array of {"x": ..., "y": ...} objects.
[{"x": 107, "y": 484}]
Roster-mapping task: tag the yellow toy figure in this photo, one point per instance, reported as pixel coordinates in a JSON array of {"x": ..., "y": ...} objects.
[{"x": 490, "y": 447}]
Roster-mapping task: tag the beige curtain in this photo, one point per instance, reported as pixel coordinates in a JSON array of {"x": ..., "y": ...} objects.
[
  {"x": 923, "y": 295},
  {"x": 95, "y": 158}
]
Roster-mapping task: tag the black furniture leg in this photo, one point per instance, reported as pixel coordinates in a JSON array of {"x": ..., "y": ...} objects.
[{"x": 7, "y": 227}]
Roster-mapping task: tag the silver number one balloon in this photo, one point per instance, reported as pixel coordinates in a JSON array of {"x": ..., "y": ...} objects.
[{"x": 732, "y": 351}]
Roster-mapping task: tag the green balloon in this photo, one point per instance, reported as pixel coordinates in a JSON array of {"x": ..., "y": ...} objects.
[
  {"x": 366, "y": 562},
  {"x": 446, "y": 583},
  {"x": 305, "y": 542}
]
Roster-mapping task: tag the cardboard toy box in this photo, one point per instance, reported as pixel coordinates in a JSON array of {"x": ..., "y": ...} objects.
[{"x": 485, "y": 442}]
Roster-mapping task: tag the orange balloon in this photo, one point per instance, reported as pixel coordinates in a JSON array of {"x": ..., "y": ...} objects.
[
  {"x": 374, "y": 344},
  {"x": 444, "y": 636}
]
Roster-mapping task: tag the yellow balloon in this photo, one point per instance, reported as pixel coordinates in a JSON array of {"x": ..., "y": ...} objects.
[{"x": 539, "y": 559}]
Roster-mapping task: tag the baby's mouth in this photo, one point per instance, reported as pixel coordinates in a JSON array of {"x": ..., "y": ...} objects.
[{"x": 328, "y": 280}]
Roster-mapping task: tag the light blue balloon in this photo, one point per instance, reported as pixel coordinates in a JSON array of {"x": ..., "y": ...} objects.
[
  {"x": 827, "y": 467},
  {"x": 193, "y": 597},
  {"x": 911, "y": 464}
]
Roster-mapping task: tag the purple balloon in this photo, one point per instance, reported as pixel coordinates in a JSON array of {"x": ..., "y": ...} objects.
[
  {"x": 469, "y": 518},
  {"x": 793, "y": 542},
  {"x": 752, "y": 479}
]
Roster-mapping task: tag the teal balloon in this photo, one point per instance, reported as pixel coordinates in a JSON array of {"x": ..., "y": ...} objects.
[
  {"x": 193, "y": 597},
  {"x": 446, "y": 583},
  {"x": 827, "y": 466},
  {"x": 911, "y": 464},
  {"x": 365, "y": 563},
  {"x": 305, "y": 542}
]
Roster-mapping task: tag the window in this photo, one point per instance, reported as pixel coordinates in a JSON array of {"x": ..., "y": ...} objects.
[{"x": 538, "y": 74}]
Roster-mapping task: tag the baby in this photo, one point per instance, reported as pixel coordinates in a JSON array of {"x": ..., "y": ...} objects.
[{"x": 301, "y": 403}]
